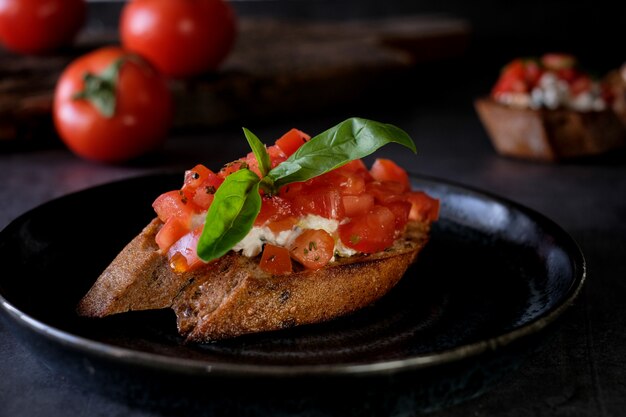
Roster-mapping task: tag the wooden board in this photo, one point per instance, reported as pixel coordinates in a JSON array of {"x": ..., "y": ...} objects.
[{"x": 276, "y": 68}]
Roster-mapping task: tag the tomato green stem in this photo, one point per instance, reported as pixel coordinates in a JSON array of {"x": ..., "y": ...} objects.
[{"x": 100, "y": 89}]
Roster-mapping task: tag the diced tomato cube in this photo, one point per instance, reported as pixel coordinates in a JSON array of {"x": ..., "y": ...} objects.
[
  {"x": 355, "y": 205},
  {"x": 200, "y": 185},
  {"x": 276, "y": 155},
  {"x": 371, "y": 232},
  {"x": 231, "y": 167},
  {"x": 423, "y": 206},
  {"x": 356, "y": 167},
  {"x": 291, "y": 141},
  {"x": 313, "y": 248},
  {"x": 183, "y": 255},
  {"x": 386, "y": 192},
  {"x": 325, "y": 203},
  {"x": 347, "y": 183},
  {"x": 275, "y": 260},
  {"x": 174, "y": 204},
  {"x": 387, "y": 170},
  {"x": 401, "y": 211},
  {"x": 173, "y": 229},
  {"x": 283, "y": 224},
  {"x": 194, "y": 177},
  {"x": 273, "y": 209}
]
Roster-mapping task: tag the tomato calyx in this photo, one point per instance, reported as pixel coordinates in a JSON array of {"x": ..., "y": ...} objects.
[{"x": 100, "y": 89}]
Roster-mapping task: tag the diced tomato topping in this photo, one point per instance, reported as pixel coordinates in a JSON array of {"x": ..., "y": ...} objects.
[
  {"x": 387, "y": 170},
  {"x": 276, "y": 155},
  {"x": 325, "y": 203},
  {"x": 174, "y": 203},
  {"x": 275, "y": 260},
  {"x": 371, "y": 232},
  {"x": 231, "y": 167},
  {"x": 424, "y": 207},
  {"x": 281, "y": 225},
  {"x": 291, "y": 190},
  {"x": 291, "y": 141},
  {"x": 173, "y": 229},
  {"x": 401, "y": 211},
  {"x": 313, "y": 248},
  {"x": 182, "y": 254},
  {"x": 371, "y": 206},
  {"x": 273, "y": 209},
  {"x": 356, "y": 167},
  {"x": 355, "y": 205},
  {"x": 386, "y": 192}
]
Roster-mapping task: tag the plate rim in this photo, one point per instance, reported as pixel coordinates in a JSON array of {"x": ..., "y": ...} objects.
[{"x": 188, "y": 366}]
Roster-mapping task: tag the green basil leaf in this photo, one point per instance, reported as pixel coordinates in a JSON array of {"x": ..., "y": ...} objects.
[
  {"x": 230, "y": 217},
  {"x": 352, "y": 139},
  {"x": 260, "y": 153}
]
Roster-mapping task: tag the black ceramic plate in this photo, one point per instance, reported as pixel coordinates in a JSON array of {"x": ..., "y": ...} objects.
[{"x": 491, "y": 281}]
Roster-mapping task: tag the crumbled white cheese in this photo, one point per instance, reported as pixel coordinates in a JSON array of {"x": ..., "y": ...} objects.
[{"x": 552, "y": 93}]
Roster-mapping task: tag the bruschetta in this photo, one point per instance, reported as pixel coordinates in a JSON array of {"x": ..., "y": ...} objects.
[
  {"x": 298, "y": 248},
  {"x": 549, "y": 109}
]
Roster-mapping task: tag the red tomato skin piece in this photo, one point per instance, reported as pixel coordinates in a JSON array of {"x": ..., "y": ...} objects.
[
  {"x": 291, "y": 141},
  {"x": 424, "y": 207},
  {"x": 174, "y": 204},
  {"x": 39, "y": 26},
  {"x": 387, "y": 170},
  {"x": 275, "y": 260},
  {"x": 371, "y": 232},
  {"x": 182, "y": 38},
  {"x": 143, "y": 113},
  {"x": 313, "y": 248}
]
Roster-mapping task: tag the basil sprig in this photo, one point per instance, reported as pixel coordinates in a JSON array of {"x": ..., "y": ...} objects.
[{"x": 237, "y": 201}]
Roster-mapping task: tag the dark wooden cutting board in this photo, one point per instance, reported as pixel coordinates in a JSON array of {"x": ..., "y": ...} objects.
[{"x": 276, "y": 68}]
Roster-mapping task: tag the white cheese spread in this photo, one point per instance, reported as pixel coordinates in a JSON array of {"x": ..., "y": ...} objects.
[{"x": 252, "y": 244}]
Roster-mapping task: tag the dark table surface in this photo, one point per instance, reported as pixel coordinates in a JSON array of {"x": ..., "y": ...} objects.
[{"x": 581, "y": 371}]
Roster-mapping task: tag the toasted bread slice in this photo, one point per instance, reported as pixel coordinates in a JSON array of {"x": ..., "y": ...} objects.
[
  {"x": 549, "y": 135},
  {"x": 233, "y": 296}
]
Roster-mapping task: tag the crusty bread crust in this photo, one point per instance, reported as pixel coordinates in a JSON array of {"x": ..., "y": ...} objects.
[
  {"x": 549, "y": 135},
  {"x": 233, "y": 296}
]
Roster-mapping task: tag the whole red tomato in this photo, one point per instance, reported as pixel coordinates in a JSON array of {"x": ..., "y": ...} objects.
[
  {"x": 181, "y": 38},
  {"x": 36, "y": 26},
  {"x": 112, "y": 106}
]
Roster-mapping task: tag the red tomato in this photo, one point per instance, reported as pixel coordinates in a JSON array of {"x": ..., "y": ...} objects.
[
  {"x": 231, "y": 167},
  {"x": 423, "y": 206},
  {"x": 401, "y": 211},
  {"x": 139, "y": 121},
  {"x": 313, "y": 248},
  {"x": 357, "y": 167},
  {"x": 37, "y": 26},
  {"x": 371, "y": 232},
  {"x": 200, "y": 186},
  {"x": 273, "y": 209},
  {"x": 275, "y": 260},
  {"x": 347, "y": 183},
  {"x": 173, "y": 229},
  {"x": 325, "y": 203},
  {"x": 387, "y": 191},
  {"x": 291, "y": 141},
  {"x": 387, "y": 170},
  {"x": 182, "y": 37},
  {"x": 182, "y": 254},
  {"x": 174, "y": 204},
  {"x": 355, "y": 205}
]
